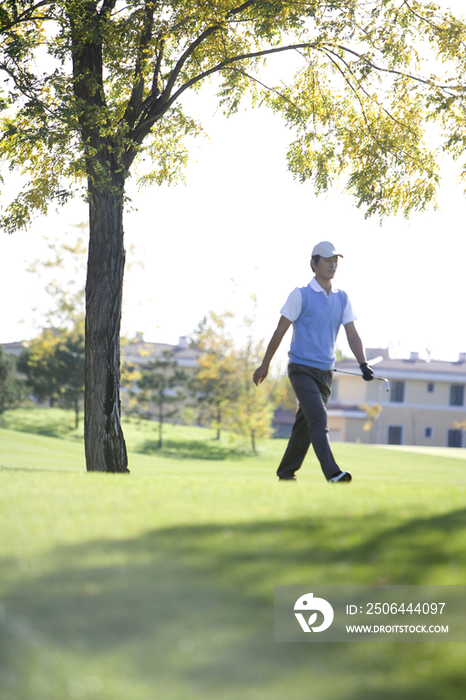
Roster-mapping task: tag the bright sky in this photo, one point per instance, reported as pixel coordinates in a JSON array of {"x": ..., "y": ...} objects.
[{"x": 242, "y": 225}]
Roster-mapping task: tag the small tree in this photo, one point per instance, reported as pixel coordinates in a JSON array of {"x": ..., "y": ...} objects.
[
  {"x": 38, "y": 363},
  {"x": 11, "y": 388},
  {"x": 160, "y": 384},
  {"x": 280, "y": 392},
  {"x": 372, "y": 412},
  {"x": 250, "y": 415},
  {"x": 53, "y": 364},
  {"x": 70, "y": 361},
  {"x": 215, "y": 385},
  {"x": 63, "y": 275}
]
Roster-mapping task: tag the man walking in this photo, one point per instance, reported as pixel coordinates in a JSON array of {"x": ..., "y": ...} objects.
[{"x": 316, "y": 312}]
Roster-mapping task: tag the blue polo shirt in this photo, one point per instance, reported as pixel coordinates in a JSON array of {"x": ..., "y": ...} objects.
[{"x": 316, "y": 317}]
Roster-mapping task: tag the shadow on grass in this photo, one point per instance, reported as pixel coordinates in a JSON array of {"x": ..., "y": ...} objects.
[
  {"x": 52, "y": 422},
  {"x": 192, "y": 449},
  {"x": 187, "y": 612}
]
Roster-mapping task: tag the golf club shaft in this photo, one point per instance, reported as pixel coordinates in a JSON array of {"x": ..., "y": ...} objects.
[{"x": 354, "y": 374}]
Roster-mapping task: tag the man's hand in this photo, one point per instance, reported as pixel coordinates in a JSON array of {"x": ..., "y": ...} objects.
[
  {"x": 262, "y": 371},
  {"x": 260, "y": 374},
  {"x": 367, "y": 372}
]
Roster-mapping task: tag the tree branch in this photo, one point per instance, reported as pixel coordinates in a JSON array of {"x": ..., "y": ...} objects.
[
  {"x": 133, "y": 108},
  {"x": 163, "y": 105},
  {"x": 25, "y": 16},
  {"x": 181, "y": 61},
  {"x": 107, "y": 7},
  {"x": 331, "y": 53},
  {"x": 200, "y": 39},
  {"x": 368, "y": 126},
  {"x": 429, "y": 83},
  {"x": 267, "y": 87},
  {"x": 433, "y": 26}
]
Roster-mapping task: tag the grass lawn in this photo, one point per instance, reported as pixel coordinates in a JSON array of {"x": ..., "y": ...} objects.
[{"x": 159, "y": 584}]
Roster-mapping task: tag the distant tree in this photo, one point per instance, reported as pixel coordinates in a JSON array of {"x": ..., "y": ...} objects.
[
  {"x": 53, "y": 364},
  {"x": 161, "y": 387},
  {"x": 70, "y": 362},
  {"x": 280, "y": 392},
  {"x": 11, "y": 387},
  {"x": 340, "y": 355},
  {"x": 215, "y": 385},
  {"x": 38, "y": 363},
  {"x": 372, "y": 412},
  {"x": 250, "y": 414},
  {"x": 63, "y": 275}
]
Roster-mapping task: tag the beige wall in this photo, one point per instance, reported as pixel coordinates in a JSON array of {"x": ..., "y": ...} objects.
[
  {"x": 348, "y": 389},
  {"x": 355, "y": 432},
  {"x": 416, "y": 420},
  {"x": 337, "y": 429},
  {"x": 420, "y": 409}
]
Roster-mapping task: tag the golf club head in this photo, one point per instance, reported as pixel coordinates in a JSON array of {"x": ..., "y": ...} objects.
[{"x": 383, "y": 379}]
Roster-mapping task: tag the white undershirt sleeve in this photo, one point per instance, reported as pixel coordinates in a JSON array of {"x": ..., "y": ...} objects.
[
  {"x": 348, "y": 314},
  {"x": 293, "y": 305}
]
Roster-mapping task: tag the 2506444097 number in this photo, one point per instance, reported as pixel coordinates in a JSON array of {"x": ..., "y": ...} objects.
[{"x": 401, "y": 608}]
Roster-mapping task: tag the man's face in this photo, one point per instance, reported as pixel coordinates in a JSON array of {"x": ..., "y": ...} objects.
[{"x": 327, "y": 267}]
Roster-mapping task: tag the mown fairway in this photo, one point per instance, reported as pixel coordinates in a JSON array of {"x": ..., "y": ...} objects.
[{"x": 160, "y": 584}]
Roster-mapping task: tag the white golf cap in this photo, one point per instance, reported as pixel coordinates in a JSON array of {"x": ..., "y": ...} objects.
[{"x": 325, "y": 249}]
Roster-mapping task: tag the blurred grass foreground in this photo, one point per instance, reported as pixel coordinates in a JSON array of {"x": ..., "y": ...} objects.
[{"x": 159, "y": 585}]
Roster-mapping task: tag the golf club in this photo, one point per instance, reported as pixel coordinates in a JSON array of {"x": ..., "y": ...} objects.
[{"x": 354, "y": 374}]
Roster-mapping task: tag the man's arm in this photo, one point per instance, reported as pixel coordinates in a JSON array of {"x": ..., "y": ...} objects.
[
  {"x": 262, "y": 371},
  {"x": 355, "y": 343},
  {"x": 357, "y": 348}
]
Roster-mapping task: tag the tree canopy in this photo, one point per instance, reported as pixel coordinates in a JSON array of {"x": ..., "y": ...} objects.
[{"x": 93, "y": 85}]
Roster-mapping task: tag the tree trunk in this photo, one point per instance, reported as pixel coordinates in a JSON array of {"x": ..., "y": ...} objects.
[
  {"x": 219, "y": 418},
  {"x": 76, "y": 413},
  {"x": 160, "y": 425},
  {"x": 104, "y": 442}
]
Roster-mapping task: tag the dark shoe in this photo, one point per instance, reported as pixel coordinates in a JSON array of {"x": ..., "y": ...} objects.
[
  {"x": 287, "y": 478},
  {"x": 342, "y": 476}
]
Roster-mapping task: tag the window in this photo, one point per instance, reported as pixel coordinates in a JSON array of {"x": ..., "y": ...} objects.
[
  {"x": 431, "y": 387},
  {"x": 457, "y": 395},
  {"x": 455, "y": 438},
  {"x": 395, "y": 435},
  {"x": 397, "y": 392},
  {"x": 428, "y": 432}
]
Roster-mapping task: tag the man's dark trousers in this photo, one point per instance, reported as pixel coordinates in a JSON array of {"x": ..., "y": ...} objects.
[{"x": 312, "y": 387}]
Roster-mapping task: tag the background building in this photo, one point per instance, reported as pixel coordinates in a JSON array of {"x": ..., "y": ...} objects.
[
  {"x": 425, "y": 405},
  {"x": 138, "y": 352}
]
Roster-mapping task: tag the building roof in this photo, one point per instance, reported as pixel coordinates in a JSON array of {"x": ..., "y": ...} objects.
[
  {"x": 341, "y": 410},
  {"x": 139, "y": 351},
  {"x": 13, "y": 348}
]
